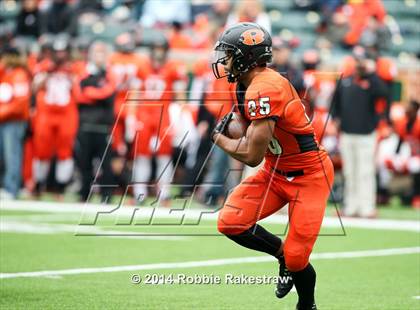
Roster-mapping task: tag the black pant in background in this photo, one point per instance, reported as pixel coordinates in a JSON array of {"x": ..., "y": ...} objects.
[{"x": 93, "y": 145}]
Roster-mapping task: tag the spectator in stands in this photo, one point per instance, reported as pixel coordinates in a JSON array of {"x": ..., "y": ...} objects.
[
  {"x": 29, "y": 19},
  {"x": 282, "y": 63},
  {"x": 95, "y": 91},
  {"x": 14, "y": 113},
  {"x": 92, "y": 6},
  {"x": 358, "y": 14},
  {"x": 174, "y": 11},
  {"x": 334, "y": 32},
  {"x": 375, "y": 34},
  {"x": 327, "y": 9},
  {"x": 250, "y": 11},
  {"x": 308, "y": 5},
  {"x": 354, "y": 111},
  {"x": 219, "y": 12},
  {"x": 59, "y": 16}
]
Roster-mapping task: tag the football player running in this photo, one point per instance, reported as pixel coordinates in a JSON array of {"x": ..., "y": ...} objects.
[{"x": 297, "y": 170}]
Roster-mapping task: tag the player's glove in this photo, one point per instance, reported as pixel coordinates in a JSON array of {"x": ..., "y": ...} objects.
[{"x": 222, "y": 125}]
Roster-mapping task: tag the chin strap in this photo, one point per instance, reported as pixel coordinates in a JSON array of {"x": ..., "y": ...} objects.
[{"x": 232, "y": 78}]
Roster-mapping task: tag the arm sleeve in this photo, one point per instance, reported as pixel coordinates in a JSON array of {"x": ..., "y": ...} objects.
[
  {"x": 90, "y": 93},
  {"x": 98, "y": 93}
]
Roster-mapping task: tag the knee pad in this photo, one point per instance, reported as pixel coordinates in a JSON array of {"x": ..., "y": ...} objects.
[
  {"x": 295, "y": 262},
  {"x": 230, "y": 228}
]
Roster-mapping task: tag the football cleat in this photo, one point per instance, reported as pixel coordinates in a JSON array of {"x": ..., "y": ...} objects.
[
  {"x": 285, "y": 283},
  {"x": 313, "y": 307}
]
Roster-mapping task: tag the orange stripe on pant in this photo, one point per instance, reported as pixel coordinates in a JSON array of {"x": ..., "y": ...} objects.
[{"x": 264, "y": 193}]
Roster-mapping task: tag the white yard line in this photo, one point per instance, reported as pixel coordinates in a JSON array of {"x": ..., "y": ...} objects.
[
  {"x": 46, "y": 228},
  {"x": 207, "y": 263},
  {"x": 204, "y": 214}
]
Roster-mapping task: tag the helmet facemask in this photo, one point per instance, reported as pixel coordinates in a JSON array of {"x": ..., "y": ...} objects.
[
  {"x": 224, "y": 53},
  {"x": 240, "y": 63}
]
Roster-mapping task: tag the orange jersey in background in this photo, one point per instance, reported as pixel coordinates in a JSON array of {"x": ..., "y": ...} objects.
[
  {"x": 160, "y": 88},
  {"x": 15, "y": 91},
  {"x": 56, "y": 96},
  {"x": 56, "y": 120},
  {"x": 385, "y": 67},
  {"x": 129, "y": 71},
  {"x": 160, "y": 82},
  {"x": 319, "y": 90}
]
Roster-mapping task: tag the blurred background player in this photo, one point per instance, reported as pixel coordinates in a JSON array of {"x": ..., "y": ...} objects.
[
  {"x": 398, "y": 154},
  {"x": 15, "y": 88},
  {"x": 56, "y": 120},
  {"x": 319, "y": 86},
  {"x": 129, "y": 70},
  {"x": 165, "y": 82},
  {"x": 44, "y": 52},
  {"x": 219, "y": 102},
  {"x": 282, "y": 63},
  {"x": 316, "y": 36},
  {"x": 95, "y": 93}
]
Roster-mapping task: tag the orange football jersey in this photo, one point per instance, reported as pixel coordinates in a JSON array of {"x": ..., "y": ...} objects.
[
  {"x": 129, "y": 71},
  {"x": 159, "y": 89},
  {"x": 56, "y": 95},
  {"x": 294, "y": 145},
  {"x": 15, "y": 91},
  {"x": 160, "y": 83}
]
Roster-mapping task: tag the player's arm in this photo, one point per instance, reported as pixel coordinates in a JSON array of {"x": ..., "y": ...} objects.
[{"x": 249, "y": 149}]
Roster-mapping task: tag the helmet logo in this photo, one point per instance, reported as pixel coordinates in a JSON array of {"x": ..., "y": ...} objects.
[{"x": 252, "y": 37}]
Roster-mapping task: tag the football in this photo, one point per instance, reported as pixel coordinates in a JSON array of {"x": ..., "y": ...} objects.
[{"x": 237, "y": 127}]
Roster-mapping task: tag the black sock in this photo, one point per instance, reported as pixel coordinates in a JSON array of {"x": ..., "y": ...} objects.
[
  {"x": 61, "y": 187},
  {"x": 305, "y": 286},
  {"x": 257, "y": 238}
]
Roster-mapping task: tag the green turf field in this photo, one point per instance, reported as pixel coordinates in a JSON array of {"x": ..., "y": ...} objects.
[{"x": 44, "y": 265}]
